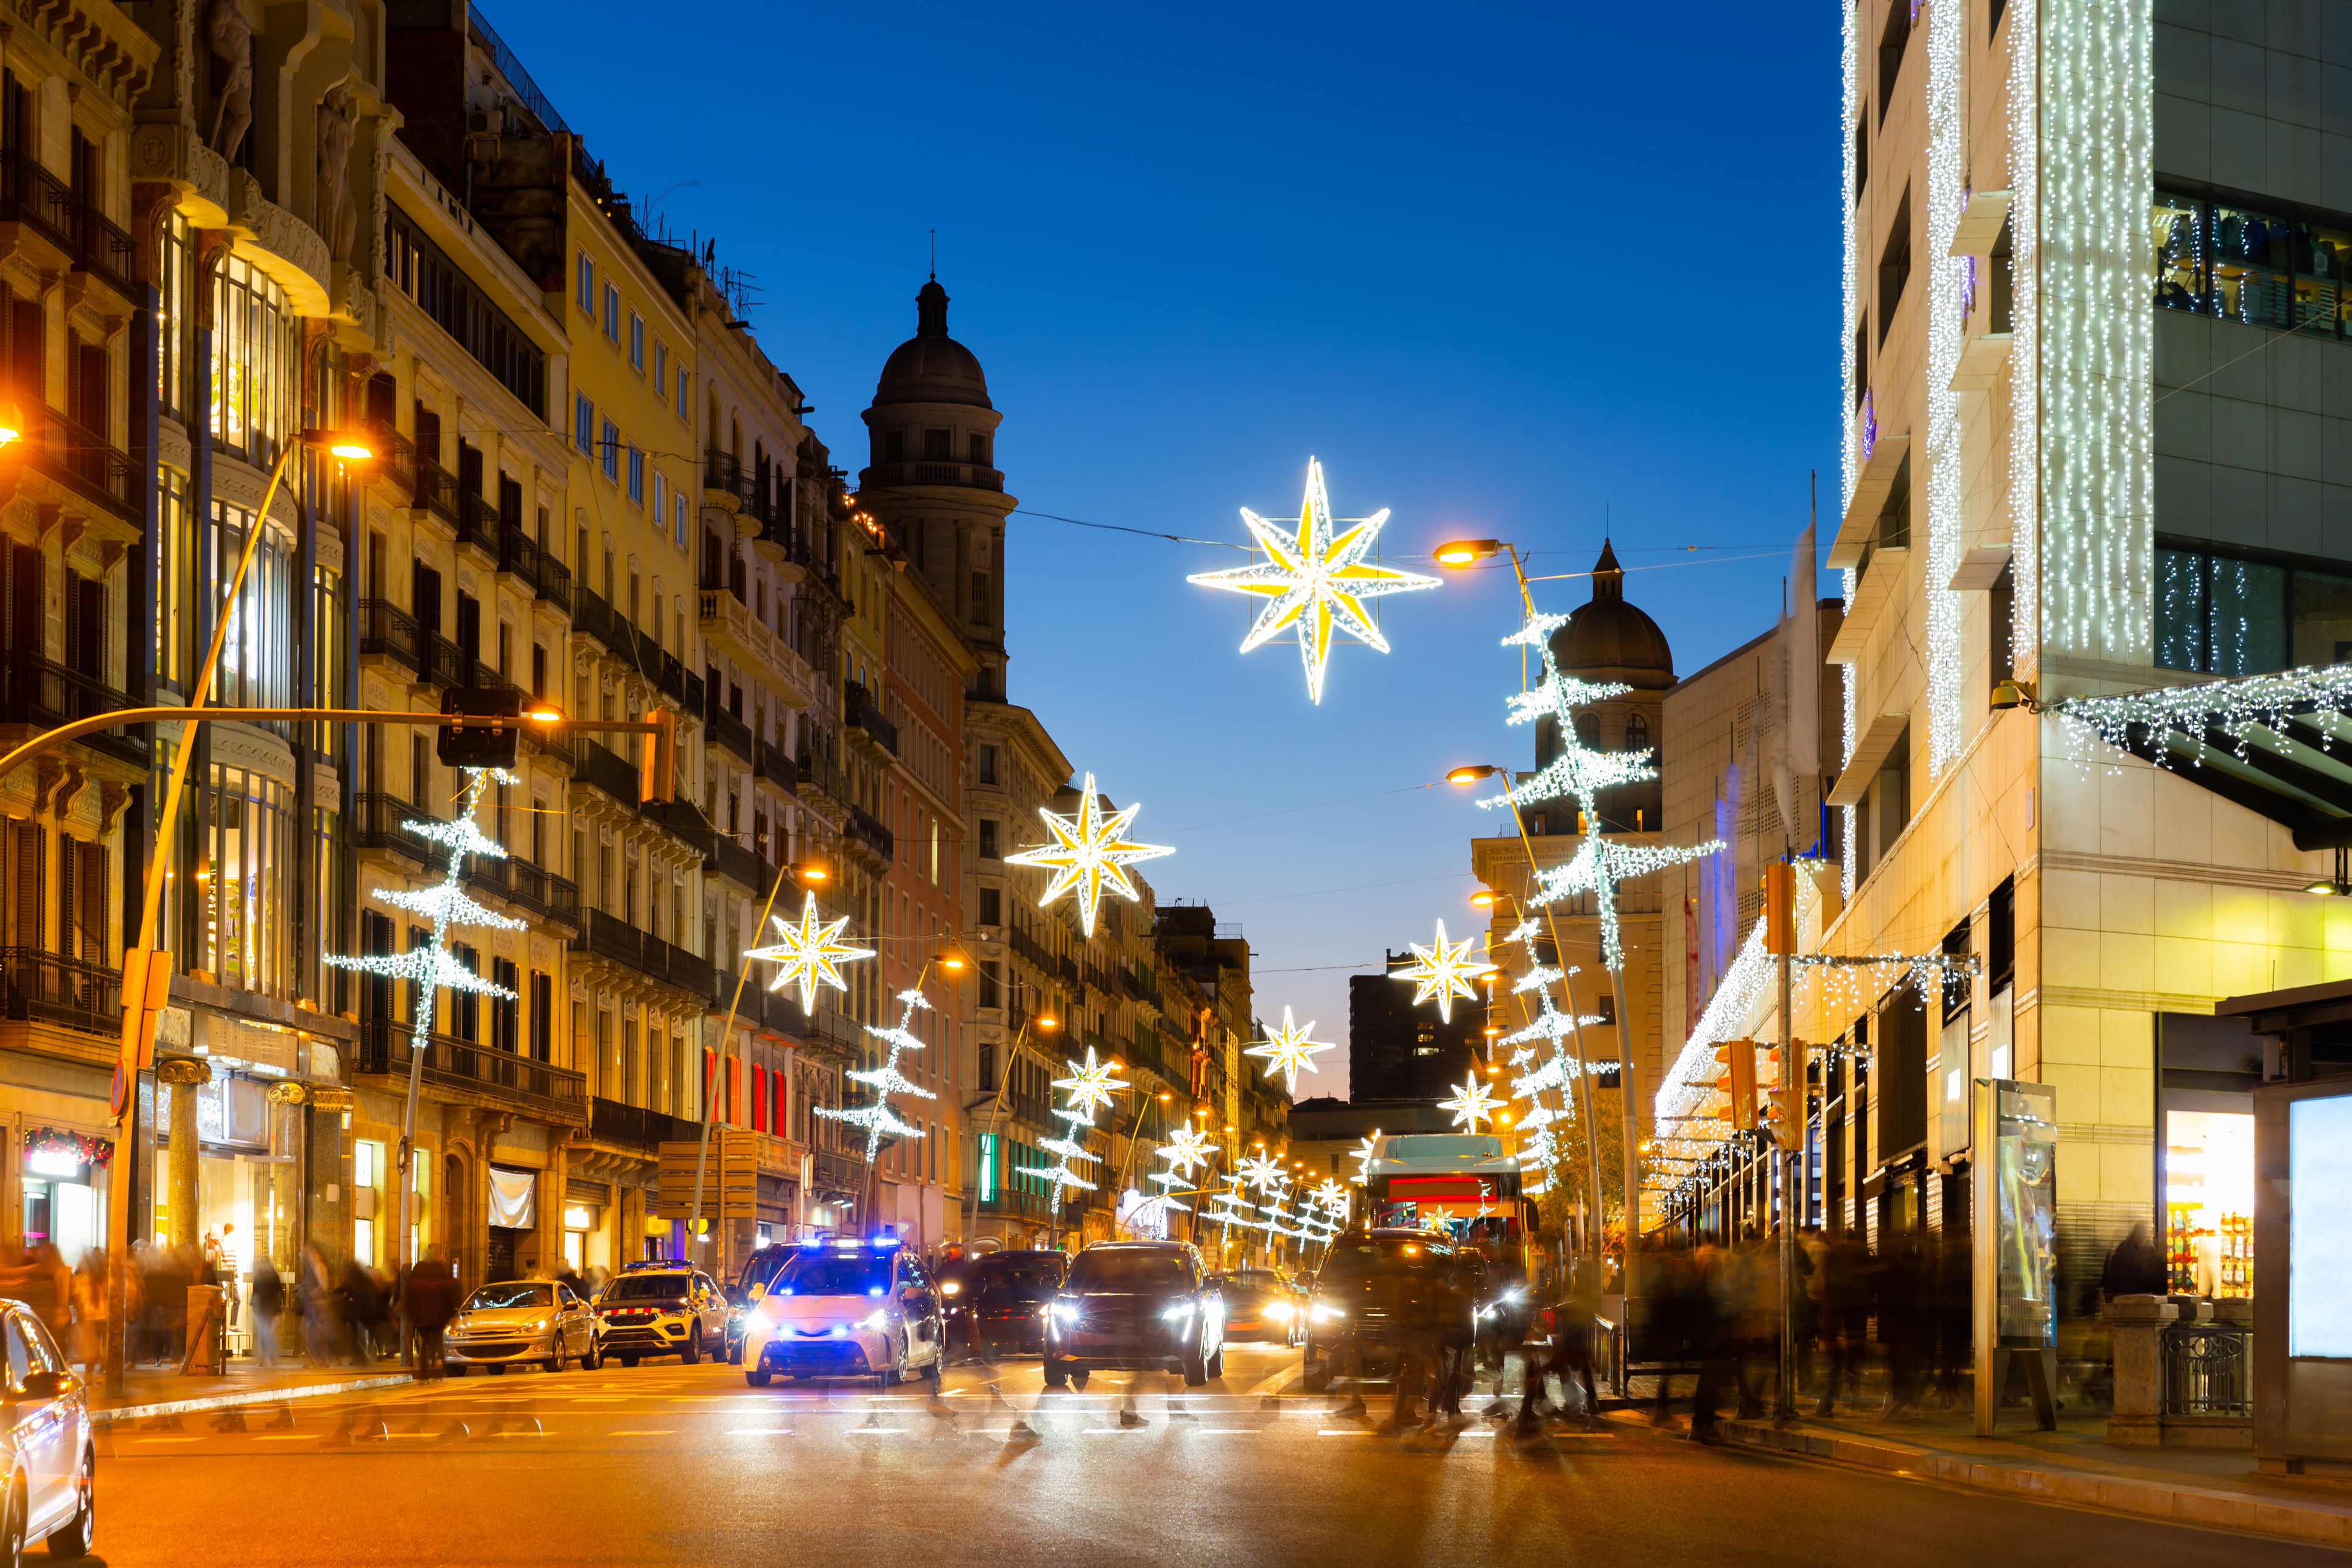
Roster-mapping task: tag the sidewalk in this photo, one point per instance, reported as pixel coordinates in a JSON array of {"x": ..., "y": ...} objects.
[
  {"x": 2075, "y": 1466},
  {"x": 150, "y": 1394}
]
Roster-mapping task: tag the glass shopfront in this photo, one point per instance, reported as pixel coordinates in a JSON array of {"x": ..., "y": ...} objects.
[
  {"x": 65, "y": 1181},
  {"x": 2209, "y": 1201}
]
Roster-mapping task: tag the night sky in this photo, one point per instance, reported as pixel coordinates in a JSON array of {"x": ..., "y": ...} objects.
[{"x": 1528, "y": 272}]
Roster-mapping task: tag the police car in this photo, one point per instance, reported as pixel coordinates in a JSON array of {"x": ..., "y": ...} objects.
[{"x": 844, "y": 1308}]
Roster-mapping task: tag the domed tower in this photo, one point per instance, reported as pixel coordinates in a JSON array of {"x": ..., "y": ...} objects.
[
  {"x": 1607, "y": 639},
  {"x": 931, "y": 479}
]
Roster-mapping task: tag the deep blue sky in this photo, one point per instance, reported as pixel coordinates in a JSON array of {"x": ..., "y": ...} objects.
[{"x": 1506, "y": 271}]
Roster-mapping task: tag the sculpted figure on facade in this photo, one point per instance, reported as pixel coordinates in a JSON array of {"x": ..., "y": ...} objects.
[
  {"x": 338, "y": 215},
  {"x": 230, "y": 38}
]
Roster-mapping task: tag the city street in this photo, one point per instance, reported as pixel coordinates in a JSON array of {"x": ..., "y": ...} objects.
[{"x": 669, "y": 1464}]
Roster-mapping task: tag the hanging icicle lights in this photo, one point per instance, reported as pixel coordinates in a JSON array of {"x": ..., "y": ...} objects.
[
  {"x": 2234, "y": 708},
  {"x": 879, "y": 1120}
]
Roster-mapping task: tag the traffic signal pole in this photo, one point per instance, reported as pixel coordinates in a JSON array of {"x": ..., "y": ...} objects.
[{"x": 1789, "y": 1122}]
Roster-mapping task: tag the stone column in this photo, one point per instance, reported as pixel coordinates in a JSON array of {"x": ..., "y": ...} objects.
[
  {"x": 184, "y": 1075},
  {"x": 286, "y": 1103},
  {"x": 2136, "y": 1324}
]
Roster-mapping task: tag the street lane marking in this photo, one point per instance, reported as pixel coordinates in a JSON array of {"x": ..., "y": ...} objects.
[
  {"x": 759, "y": 1432},
  {"x": 648, "y": 1432},
  {"x": 167, "y": 1439}
]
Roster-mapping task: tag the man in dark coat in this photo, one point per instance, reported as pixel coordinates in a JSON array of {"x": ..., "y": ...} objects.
[{"x": 432, "y": 1302}]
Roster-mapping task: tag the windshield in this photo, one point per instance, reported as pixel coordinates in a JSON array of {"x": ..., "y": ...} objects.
[
  {"x": 492, "y": 1298},
  {"x": 647, "y": 1287},
  {"x": 1353, "y": 1262},
  {"x": 834, "y": 1274},
  {"x": 1122, "y": 1270},
  {"x": 1020, "y": 1273}
]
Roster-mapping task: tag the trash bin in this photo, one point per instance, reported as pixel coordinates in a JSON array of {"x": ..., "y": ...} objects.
[{"x": 207, "y": 1321}]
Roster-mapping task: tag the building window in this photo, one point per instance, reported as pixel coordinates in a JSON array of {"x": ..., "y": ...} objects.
[
  {"x": 980, "y": 599},
  {"x": 677, "y": 515},
  {"x": 987, "y": 838},
  {"x": 254, "y": 374},
  {"x": 242, "y": 885},
  {"x": 2229, "y": 615},
  {"x": 1894, "y": 261},
  {"x": 175, "y": 271},
  {"x": 610, "y": 454},
  {"x": 256, "y": 663},
  {"x": 1891, "y": 41},
  {"x": 894, "y": 446},
  {"x": 661, "y": 500},
  {"x": 584, "y": 422},
  {"x": 612, "y": 312},
  {"x": 588, "y": 285},
  {"x": 978, "y": 450},
  {"x": 682, "y": 392},
  {"x": 637, "y": 476},
  {"x": 420, "y": 269},
  {"x": 992, "y": 906},
  {"x": 988, "y": 764},
  {"x": 2241, "y": 265},
  {"x": 661, "y": 370},
  {"x": 636, "y": 340},
  {"x": 938, "y": 445},
  {"x": 1637, "y": 732}
]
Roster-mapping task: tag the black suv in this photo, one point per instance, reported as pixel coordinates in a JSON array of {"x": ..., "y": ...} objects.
[
  {"x": 1139, "y": 1304},
  {"x": 997, "y": 1301},
  {"x": 1379, "y": 1290}
]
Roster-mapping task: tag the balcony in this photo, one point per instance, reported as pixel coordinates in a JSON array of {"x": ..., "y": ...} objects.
[
  {"x": 31, "y": 195},
  {"x": 554, "y": 582},
  {"x": 105, "y": 252},
  {"x": 770, "y": 762},
  {"x": 446, "y": 663},
  {"x": 380, "y": 821},
  {"x": 83, "y": 460},
  {"x": 729, "y": 624},
  {"x": 867, "y": 829},
  {"x": 47, "y": 988},
  {"x": 591, "y": 616},
  {"x": 860, "y": 711},
  {"x": 616, "y": 776},
  {"x": 385, "y": 1048},
  {"x": 543, "y": 892},
  {"x": 636, "y": 1126},
  {"x": 838, "y": 1175},
  {"x": 434, "y": 491},
  {"x": 740, "y": 865},
  {"x": 44, "y": 695},
  {"x": 396, "y": 454},
  {"x": 390, "y": 633},
  {"x": 684, "y": 821},
  {"x": 974, "y": 476},
  {"x": 822, "y": 778},
  {"x": 517, "y": 557},
  {"x": 724, "y": 481},
  {"x": 725, "y": 730},
  {"x": 616, "y": 940}
]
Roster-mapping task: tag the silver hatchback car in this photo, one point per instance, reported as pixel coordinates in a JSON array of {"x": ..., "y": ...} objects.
[{"x": 539, "y": 1322}]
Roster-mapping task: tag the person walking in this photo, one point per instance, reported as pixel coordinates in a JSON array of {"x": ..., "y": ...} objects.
[
  {"x": 268, "y": 1303},
  {"x": 432, "y": 1296},
  {"x": 90, "y": 1307}
]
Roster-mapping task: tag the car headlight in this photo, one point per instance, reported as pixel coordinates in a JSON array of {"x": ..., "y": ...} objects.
[
  {"x": 873, "y": 1320},
  {"x": 1063, "y": 1311},
  {"x": 951, "y": 1288},
  {"x": 1324, "y": 1311},
  {"x": 771, "y": 1310},
  {"x": 1179, "y": 1314},
  {"x": 1281, "y": 1311}
]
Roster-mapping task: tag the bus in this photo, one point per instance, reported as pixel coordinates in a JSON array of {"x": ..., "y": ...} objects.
[{"x": 1464, "y": 1184}]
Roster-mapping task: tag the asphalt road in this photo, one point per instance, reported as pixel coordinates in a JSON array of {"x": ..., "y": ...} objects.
[{"x": 665, "y": 1464}]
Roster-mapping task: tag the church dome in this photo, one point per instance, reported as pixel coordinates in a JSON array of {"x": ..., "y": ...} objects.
[
  {"x": 1607, "y": 638},
  {"x": 930, "y": 366}
]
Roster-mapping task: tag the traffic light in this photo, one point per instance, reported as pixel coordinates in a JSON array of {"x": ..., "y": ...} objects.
[
  {"x": 1737, "y": 1060},
  {"x": 487, "y": 729},
  {"x": 1779, "y": 908},
  {"x": 1784, "y": 1107},
  {"x": 657, "y": 758}
]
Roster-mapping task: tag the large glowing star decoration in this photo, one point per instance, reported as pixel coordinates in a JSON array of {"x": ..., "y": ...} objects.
[
  {"x": 1472, "y": 1102},
  {"x": 1091, "y": 1085},
  {"x": 1314, "y": 581},
  {"x": 1187, "y": 1149},
  {"x": 808, "y": 954},
  {"x": 1290, "y": 1050},
  {"x": 1089, "y": 853},
  {"x": 1441, "y": 972},
  {"x": 1363, "y": 1154}
]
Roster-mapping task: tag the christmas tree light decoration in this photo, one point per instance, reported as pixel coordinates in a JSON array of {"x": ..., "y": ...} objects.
[
  {"x": 1090, "y": 853},
  {"x": 1315, "y": 582},
  {"x": 808, "y": 954},
  {"x": 1441, "y": 971},
  {"x": 879, "y": 1120},
  {"x": 1472, "y": 1102},
  {"x": 1289, "y": 1050},
  {"x": 1092, "y": 1086},
  {"x": 1363, "y": 1154},
  {"x": 432, "y": 967},
  {"x": 1333, "y": 1197}
]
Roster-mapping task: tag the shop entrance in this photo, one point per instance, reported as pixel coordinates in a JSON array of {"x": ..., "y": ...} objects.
[{"x": 499, "y": 1257}]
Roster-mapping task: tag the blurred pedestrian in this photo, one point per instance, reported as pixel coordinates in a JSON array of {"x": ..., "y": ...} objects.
[
  {"x": 431, "y": 1294},
  {"x": 1709, "y": 1329},
  {"x": 1955, "y": 1322},
  {"x": 1845, "y": 1312},
  {"x": 91, "y": 1308},
  {"x": 320, "y": 1330},
  {"x": 362, "y": 1309},
  {"x": 268, "y": 1305},
  {"x": 2135, "y": 1268},
  {"x": 58, "y": 1290},
  {"x": 1904, "y": 1327}
]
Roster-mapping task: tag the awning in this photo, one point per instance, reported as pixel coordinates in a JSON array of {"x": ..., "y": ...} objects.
[
  {"x": 1870, "y": 751},
  {"x": 1871, "y": 489},
  {"x": 2294, "y": 770}
]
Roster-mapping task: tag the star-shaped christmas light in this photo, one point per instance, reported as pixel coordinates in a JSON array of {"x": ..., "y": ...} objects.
[
  {"x": 1289, "y": 1050},
  {"x": 1187, "y": 1148},
  {"x": 1264, "y": 1173},
  {"x": 1362, "y": 1154},
  {"x": 1314, "y": 581},
  {"x": 809, "y": 953},
  {"x": 1472, "y": 1102},
  {"x": 1333, "y": 1197},
  {"x": 1091, "y": 1085},
  {"x": 1090, "y": 852},
  {"x": 1443, "y": 972}
]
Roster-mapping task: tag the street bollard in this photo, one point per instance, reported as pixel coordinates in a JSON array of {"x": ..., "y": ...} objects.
[{"x": 2136, "y": 1325}]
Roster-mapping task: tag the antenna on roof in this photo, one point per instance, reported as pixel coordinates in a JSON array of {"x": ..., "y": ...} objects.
[{"x": 935, "y": 256}]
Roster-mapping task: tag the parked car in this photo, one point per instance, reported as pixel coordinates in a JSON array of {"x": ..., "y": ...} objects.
[
  {"x": 847, "y": 1308},
  {"x": 51, "y": 1460},
  {"x": 1260, "y": 1304},
  {"x": 536, "y": 1321},
  {"x": 662, "y": 1310},
  {"x": 1378, "y": 1290},
  {"x": 997, "y": 1303},
  {"x": 1144, "y": 1304}
]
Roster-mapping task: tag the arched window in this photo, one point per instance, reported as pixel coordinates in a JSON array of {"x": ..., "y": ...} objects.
[
  {"x": 1587, "y": 729},
  {"x": 1637, "y": 732}
]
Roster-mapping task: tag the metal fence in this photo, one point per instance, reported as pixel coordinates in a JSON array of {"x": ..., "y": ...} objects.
[{"x": 2207, "y": 1370}]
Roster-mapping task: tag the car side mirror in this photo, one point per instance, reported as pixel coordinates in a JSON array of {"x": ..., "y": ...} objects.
[{"x": 44, "y": 1384}]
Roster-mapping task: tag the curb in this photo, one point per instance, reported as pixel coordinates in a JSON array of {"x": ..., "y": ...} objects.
[
  {"x": 2206, "y": 1507},
  {"x": 117, "y": 1414}
]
